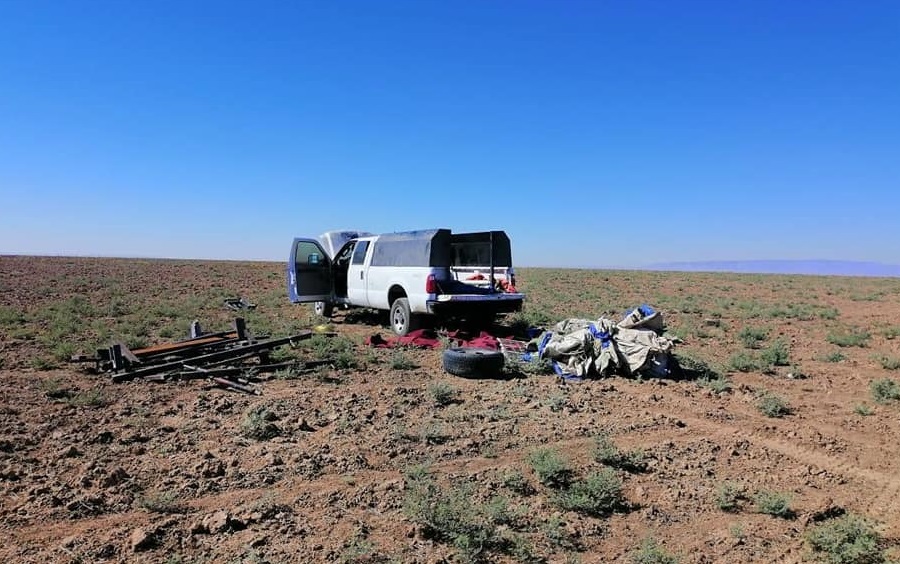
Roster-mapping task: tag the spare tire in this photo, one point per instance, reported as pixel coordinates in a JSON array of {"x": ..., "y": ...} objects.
[{"x": 470, "y": 362}]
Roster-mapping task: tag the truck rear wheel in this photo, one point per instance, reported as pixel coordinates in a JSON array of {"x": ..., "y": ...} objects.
[
  {"x": 402, "y": 319},
  {"x": 324, "y": 309}
]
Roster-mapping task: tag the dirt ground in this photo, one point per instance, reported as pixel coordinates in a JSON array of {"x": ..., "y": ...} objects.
[{"x": 92, "y": 471}]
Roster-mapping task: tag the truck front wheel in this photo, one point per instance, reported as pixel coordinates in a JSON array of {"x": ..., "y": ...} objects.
[{"x": 402, "y": 319}]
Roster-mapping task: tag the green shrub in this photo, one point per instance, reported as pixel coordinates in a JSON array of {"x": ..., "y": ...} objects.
[
  {"x": 751, "y": 337},
  {"x": 776, "y": 354},
  {"x": 694, "y": 368},
  {"x": 892, "y": 332},
  {"x": 558, "y": 536},
  {"x": 742, "y": 362},
  {"x": 515, "y": 481},
  {"x": 851, "y": 338},
  {"x": 606, "y": 452},
  {"x": 650, "y": 552},
  {"x": 551, "y": 468},
  {"x": 89, "y": 398},
  {"x": 448, "y": 515},
  {"x": 846, "y": 540},
  {"x": 442, "y": 393},
  {"x": 258, "y": 424},
  {"x": 160, "y": 502},
  {"x": 600, "y": 493},
  {"x": 774, "y": 503},
  {"x": 885, "y": 390},
  {"x": 863, "y": 409},
  {"x": 772, "y": 406},
  {"x": 10, "y": 316},
  {"x": 835, "y": 356},
  {"x": 54, "y": 389},
  {"x": 728, "y": 496},
  {"x": 889, "y": 362},
  {"x": 400, "y": 361}
]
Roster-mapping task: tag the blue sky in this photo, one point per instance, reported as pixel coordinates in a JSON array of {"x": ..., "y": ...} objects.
[{"x": 595, "y": 133}]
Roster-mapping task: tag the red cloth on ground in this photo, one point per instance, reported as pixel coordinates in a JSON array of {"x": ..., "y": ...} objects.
[{"x": 428, "y": 339}]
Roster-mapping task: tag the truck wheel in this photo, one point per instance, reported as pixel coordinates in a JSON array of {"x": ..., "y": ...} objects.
[
  {"x": 402, "y": 319},
  {"x": 470, "y": 362},
  {"x": 324, "y": 309}
]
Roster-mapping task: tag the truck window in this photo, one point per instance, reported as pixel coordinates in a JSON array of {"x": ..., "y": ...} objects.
[
  {"x": 359, "y": 254},
  {"x": 308, "y": 254}
]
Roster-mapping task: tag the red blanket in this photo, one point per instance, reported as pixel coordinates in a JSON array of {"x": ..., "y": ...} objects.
[{"x": 429, "y": 339}]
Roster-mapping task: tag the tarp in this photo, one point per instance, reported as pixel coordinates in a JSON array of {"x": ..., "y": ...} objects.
[{"x": 583, "y": 347}]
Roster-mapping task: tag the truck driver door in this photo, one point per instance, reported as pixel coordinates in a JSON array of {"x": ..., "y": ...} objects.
[{"x": 309, "y": 272}]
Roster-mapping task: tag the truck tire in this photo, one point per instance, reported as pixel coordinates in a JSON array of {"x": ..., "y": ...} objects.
[
  {"x": 324, "y": 309},
  {"x": 469, "y": 362},
  {"x": 402, "y": 319}
]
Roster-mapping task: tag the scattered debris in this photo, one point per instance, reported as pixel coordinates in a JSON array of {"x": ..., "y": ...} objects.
[
  {"x": 238, "y": 304},
  {"x": 203, "y": 356}
]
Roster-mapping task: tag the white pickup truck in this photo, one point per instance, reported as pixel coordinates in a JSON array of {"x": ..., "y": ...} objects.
[{"x": 409, "y": 274}]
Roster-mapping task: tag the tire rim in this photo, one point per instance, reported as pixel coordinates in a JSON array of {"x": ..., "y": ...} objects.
[{"x": 399, "y": 320}]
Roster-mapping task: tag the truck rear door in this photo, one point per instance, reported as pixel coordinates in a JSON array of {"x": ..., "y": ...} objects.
[
  {"x": 309, "y": 272},
  {"x": 357, "y": 274}
]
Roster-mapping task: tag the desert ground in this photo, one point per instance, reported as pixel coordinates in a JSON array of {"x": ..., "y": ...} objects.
[{"x": 778, "y": 433}]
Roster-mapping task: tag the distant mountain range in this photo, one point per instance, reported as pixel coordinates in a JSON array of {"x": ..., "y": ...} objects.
[{"x": 817, "y": 267}]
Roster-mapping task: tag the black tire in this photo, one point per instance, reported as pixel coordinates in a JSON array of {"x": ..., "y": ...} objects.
[
  {"x": 469, "y": 362},
  {"x": 323, "y": 309},
  {"x": 401, "y": 318}
]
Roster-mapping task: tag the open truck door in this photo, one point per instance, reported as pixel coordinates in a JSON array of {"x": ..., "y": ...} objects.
[{"x": 309, "y": 272}]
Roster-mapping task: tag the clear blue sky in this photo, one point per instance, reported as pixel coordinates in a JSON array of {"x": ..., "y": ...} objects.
[{"x": 594, "y": 133}]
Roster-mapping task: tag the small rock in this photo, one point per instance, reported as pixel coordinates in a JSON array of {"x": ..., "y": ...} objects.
[
  {"x": 217, "y": 522},
  {"x": 141, "y": 540}
]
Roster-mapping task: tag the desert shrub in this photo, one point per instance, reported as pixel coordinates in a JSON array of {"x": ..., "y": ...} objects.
[
  {"x": 442, "y": 393},
  {"x": 718, "y": 385},
  {"x": 54, "y": 389},
  {"x": 558, "y": 536},
  {"x": 885, "y": 390},
  {"x": 776, "y": 354},
  {"x": 600, "y": 493},
  {"x": 751, "y": 337},
  {"x": 88, "y": 398},
  {"x": 863, "y": 409},
  {"x": 650, "y": 552},
  {"x": 521, "y": 321},
  {"x": 742, "y": 362},
  {"x": 892, "y": 332},
  {"x": 772, "y": 405},
  {"x": 400, "y": 361},
  {"x": 448, "y": 515},
  {"x": 551, "y": 468},
  {"x": 43, "y": 363},
  {"x": 160, "y": 502},
  {"x": 850, "y": 338},
  {"x": 849, "y": 539},
  {"x": 258, "y": 424},
  {"x": 339, "y": 349},
  {"x": 728, "y": 496},
  {"x": 10, "y": 316},
  {"x": 889, "y": 362},
  {"x": 695, "y": 368},
  {"x": 516, "y": 482},
  {"x": 834, "y": 356},
  {"x": 606, "y": 452},
  {"x": 776, "y": 504},
  {"x": 556, "y": 402}
]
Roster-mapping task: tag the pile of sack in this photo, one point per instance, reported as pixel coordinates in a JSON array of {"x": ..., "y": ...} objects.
[{"x": 633, "y": 346}]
